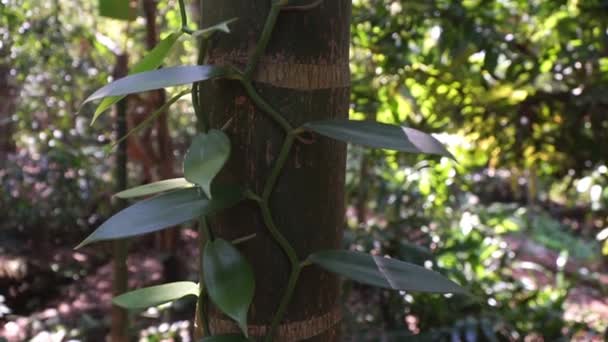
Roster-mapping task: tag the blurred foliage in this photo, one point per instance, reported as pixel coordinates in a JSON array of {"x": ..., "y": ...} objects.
[{"x": 518, "y": 88}]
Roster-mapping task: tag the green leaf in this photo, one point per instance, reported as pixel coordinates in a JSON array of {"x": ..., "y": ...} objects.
[
  {"x": 151, "y": 61},
  {"x": 156, "y": 295},
  {"x": 117, "y": 9},
  {"x": 208, "y": 31},
  {"x": 164, "y": 211},
  {"x": 158, "y": 79},
  {"x": 379, "y": 135},
  {"x": 384, "y": 272},
  {"x": 207, "y": 155},
  {"x": 225, "y": 338},
  {"x": 155, "y": 188},
  {"x": 229, "y": 280}
]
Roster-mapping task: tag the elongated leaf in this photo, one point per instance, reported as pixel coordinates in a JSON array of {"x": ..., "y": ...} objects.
[
  {"x": 384, "y": 272},
  {"x": 225, "y": 338},
  {"x": 229, "y": 280},
  {"x": 151, "y": 61},
  {"x": 155, "y": 188},
  {"x": 379, "y": 135},
  {"x": 207, "y": 155},
  {"x": 163, "y": 211},
  {"x": 156, "y": 295},
  {"x": 208, "y": 31},
  {"x": 158, "y": 79}
]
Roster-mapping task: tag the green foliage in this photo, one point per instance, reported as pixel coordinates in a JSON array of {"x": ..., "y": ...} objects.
[
  {"x": 522, "y": 79},
  {"x": 229, "y": 280},
  {"x": 164, "y": 211},
  {"x": 209, "y": 31},
  {"x": 374, "y": 134},
  {"x": 206, "y": 157},
  {"x": 518, "y": 85},
  {"x": 117, "y": 9},
  {"x": 158, "y": 79},
  {"x": 155, "y": 188},
  {"x": 384, "y": 272},
  {"x": 156, "y": 295}
]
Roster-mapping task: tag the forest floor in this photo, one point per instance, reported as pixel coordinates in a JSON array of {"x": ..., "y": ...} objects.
[{"x": 47, "y": 307}]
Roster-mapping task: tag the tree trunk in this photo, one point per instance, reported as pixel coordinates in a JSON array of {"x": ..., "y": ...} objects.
[
  {"x": 120, "y": 318},
  {"x": 8, "y": 98},
  {"x": 167, "y": 239},
  {"x": 305, "y": 75}
]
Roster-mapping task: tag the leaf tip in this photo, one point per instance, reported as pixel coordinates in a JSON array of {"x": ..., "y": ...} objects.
[
  {"x": 242, "y": 322},
  {"x": 82, "y": 244}
]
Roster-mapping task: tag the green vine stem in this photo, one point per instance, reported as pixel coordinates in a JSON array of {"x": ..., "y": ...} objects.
[
  {"x": 182, "y": 11},
  {"x": 202, "y": 119},
  {"x": 271, "y": 20},
  {"x": 276, "y": 171},
  {"x": 294, "y": 274},
  {"x": 265, "y": 106},
  {"x": 201, "y": 305}
]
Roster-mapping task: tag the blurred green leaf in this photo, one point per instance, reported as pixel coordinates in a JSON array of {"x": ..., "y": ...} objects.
[
  {"x": 163, "y": 211},
  {"x": 154, "y": 188},
  {"x": 117, "y": 9},
  {"x": 207, "y": 155},
  {"x": 156, "y": 295},
  {"x": 379, "y": 135},
  {"x": 221, "y": 27},
  {"x": 158, "y": 79},
  {"x": 384, "y": 272},
  {"x": 229, "y": 280}
]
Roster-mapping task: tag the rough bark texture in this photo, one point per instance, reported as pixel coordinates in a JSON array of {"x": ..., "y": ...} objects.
[{"x": 305, "y": 75}]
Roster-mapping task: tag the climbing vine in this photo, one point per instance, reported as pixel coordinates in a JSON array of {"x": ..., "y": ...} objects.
[{"x": 226, "y": 278}]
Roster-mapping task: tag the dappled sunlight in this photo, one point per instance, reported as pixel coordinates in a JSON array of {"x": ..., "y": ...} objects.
[{"x": 465, "y": 141}]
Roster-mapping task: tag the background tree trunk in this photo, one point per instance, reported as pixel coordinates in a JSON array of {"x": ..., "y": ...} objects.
[
  {"x": 305, "y": 75},
  {"x": 8, "y": 98},
  {"x": 120, "y": 317},
  {"x": 167, "y": 239}
]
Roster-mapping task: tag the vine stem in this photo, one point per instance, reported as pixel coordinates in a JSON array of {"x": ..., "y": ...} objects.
[
  {"x": 182, "y": 11},
  {"x": 294, "y": 274},
  {"x": 265, "y": 106},
  {"x": 202, "y": 119},
  {"x": 260, "y": 48},
  {"x": 276, "y": 171},
  {"x": 201, "y": 307}
]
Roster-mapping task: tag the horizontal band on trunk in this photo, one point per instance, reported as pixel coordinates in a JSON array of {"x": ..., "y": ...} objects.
[
  {"x": 281, "y": 73},
  {"x": 288, "y": 332}
]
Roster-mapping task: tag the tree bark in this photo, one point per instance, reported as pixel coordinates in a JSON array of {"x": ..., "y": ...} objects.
[
  {"x": 305, "y": 75},
  {"x": 120, "y": 318},
  {"x": 167, "y": 239},
  {"x": 8, "y": 98}
]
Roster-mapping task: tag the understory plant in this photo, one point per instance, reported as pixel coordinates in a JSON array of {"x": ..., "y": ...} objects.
[{"x": 227, "y": 280}]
